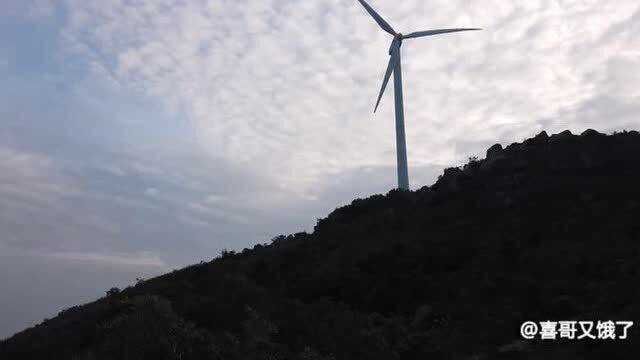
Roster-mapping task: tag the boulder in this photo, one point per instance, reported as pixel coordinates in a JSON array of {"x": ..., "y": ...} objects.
[
  {"x": 591, "y": 132},
  {"x": 493, "y": 151},
  {"x": 542, "y": 136}
]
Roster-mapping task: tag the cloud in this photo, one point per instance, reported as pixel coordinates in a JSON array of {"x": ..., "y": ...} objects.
[
  {"x": 286, "y": 87},
  {"x": 26, "y": 175},
  {"x": 151, "y": 192},
  {"x": 112, "y": 202},
  {"x": 38, "y": 285},
  {"x": 28, "y": 9},
  {"x": 147, "y": 133},
  {"x": 133, "y": 260}
]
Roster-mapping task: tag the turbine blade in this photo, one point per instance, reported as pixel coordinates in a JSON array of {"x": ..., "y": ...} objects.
[
  {"x": 392, "y": 65},
  {"x": 418, "y": 34},
  {"x": 383, "y": 24}
]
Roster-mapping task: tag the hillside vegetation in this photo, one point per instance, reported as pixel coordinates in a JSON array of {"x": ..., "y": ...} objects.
[{"x": 546, "y": 229}]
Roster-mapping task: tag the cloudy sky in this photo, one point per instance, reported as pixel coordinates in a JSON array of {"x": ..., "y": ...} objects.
[{"x": 137, "y": 136}]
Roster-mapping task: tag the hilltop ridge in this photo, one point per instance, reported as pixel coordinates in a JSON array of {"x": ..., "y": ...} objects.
[{"x": 544, "y": 229}]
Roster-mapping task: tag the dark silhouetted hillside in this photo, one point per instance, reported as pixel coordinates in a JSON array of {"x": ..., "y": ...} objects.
[{"x": 547, "y": 229}]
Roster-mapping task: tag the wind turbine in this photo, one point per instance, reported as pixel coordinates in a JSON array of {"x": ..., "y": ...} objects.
[{"x": 395, "y": 67}]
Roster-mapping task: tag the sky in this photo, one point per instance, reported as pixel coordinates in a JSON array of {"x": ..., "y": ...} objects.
[{"x": 139, "y": 136}]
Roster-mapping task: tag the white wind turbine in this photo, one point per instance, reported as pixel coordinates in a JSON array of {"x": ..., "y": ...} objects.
[{"x": 396, "y": 68}]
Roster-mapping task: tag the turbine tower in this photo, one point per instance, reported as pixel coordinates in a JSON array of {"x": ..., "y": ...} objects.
[{"x": 395, "y": 67}]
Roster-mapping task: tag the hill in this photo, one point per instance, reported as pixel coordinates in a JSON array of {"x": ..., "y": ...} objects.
[{"x": 546, "y": 229}]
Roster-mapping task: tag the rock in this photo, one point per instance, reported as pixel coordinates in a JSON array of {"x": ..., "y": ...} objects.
[
  {"x": 591, "y": 132},
  {"x": 493, "y": 151},
  {"x": 514, "y": 147},
  {"x": 452, "y": 171},
  {"x": 563, "y": 135},
  {"x": 539, "y": 139},
  {"x": 542, "y": 135}
]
